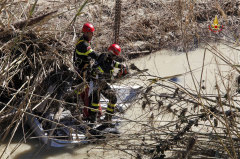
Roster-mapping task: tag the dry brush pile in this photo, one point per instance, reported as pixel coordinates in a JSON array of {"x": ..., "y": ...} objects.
[
  {"x": 37, "y": 41},
  {"x": 178, "y": 122}
]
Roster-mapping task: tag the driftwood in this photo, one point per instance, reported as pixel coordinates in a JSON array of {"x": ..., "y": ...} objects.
[
  {"x": 10, "y": 32},
  {"x": 32, "y": 21},
  {"x": 35, "y": 67}
]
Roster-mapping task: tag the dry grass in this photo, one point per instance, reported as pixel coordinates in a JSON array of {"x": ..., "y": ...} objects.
[{"x": 37, "y": 43}]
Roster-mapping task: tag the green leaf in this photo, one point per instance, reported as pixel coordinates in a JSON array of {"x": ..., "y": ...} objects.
[
  {"x": 33, "y": 7},
  {"x": 79, "y": 12}
]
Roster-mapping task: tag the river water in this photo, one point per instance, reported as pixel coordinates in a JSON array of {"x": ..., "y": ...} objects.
[{"x": 162, "y": 63}]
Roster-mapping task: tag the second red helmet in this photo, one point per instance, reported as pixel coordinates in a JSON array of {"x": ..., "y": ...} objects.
[
  {"x": 115, "y": 48},
  {"x": 88, "y": 27}
]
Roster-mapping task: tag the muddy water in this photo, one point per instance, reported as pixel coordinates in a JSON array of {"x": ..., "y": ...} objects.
[{"x": 162, "y": 63}]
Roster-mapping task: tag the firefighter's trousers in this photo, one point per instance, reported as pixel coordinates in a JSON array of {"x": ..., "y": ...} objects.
[{"x": 102, "y": 87}]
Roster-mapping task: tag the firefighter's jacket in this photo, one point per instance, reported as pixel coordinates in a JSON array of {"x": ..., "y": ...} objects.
[
  {"x": 105, "y": 67},
  {"x": 83, "y": 54}
]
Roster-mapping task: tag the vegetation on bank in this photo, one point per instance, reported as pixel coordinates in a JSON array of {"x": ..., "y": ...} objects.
[{"x": 37, "y": 41}]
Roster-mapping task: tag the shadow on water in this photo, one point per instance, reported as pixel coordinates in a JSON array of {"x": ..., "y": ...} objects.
[
  {"x": 42, "y": 152},
  {"x": 38, "y": 150}
]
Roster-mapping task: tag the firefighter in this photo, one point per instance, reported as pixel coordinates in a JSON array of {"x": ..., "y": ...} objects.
[
  {"x": 83, "y": 53},
  {"x": 105, "y": 66},
  {"x": 82, "y": 59}
]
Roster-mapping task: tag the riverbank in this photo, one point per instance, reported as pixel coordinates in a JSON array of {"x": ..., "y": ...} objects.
[
  {"x": 160, "y": 64},
  {"x": 38, "y": 39}
]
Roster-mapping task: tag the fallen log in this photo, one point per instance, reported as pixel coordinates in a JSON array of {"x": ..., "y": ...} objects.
[
  {"x": 133, "y": 55},
  {"x": 9, "y": 32}
]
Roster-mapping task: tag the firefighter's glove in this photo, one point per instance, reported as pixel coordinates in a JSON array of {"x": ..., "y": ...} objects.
[
  {"x": 122, "y": 72},
  {"x": 94, "y": 74}
]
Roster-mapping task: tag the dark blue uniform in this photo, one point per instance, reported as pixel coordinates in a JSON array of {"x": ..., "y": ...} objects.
[
  {"x": 82, "y": 56},
  {"x": 105, "y": 66}
]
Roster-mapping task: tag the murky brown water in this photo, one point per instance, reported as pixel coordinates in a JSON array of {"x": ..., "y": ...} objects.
[{"x": 163, "y": 63}]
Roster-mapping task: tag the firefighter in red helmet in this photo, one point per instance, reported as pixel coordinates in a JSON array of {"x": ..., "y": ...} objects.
[
  {"x": 83, "y": 52},
  {"x": 105, "y": 66}
]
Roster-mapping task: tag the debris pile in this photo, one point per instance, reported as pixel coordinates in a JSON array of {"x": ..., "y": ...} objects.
[{"x": 36, "y": 52}]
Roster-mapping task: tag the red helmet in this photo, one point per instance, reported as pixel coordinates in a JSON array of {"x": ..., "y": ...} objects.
[
  {"x": 115, "y": 48},
  {"x": 88, "y": 27}
]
